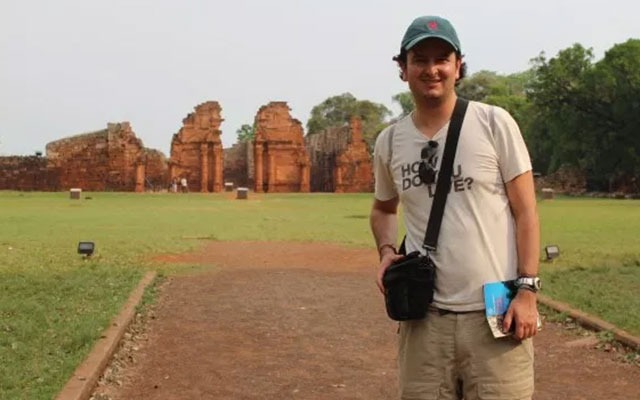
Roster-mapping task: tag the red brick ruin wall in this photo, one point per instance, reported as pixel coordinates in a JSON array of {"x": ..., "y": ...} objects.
[
  {"x": 113, "y": 159},
  {"x": 27, "y": 174},
  {"x": 196, "y": 150},
  {"x": 80, "y": 161},
  {"x": 340, "y": 160},
  {"x": 568, "y": 180},
  {"x": 281, "y": 160},
  {"x": 354, "y": 169}
]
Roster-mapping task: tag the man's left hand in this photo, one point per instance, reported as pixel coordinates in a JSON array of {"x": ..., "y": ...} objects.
[{"x": 523, "y": 312}]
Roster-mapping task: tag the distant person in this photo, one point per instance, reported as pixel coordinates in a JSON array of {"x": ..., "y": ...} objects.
[
  {"x": 183, "y": 185},
  {"x": 174, "y": 185},
  {"x": 490, "y": 229}
]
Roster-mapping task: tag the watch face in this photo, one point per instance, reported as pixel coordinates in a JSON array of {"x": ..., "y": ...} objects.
[{"x": 537, "y": 283}]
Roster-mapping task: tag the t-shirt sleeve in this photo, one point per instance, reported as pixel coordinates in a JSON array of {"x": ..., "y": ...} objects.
[
  {"x": 385, "y": 188},
  {"x": 513, "y": 156}
]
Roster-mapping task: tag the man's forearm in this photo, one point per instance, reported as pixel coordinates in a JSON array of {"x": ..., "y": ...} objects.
[
  {"x": 528, "y": 242},
  {"x": 384, "y": 226},
  {"x": 522, "y": 199}
]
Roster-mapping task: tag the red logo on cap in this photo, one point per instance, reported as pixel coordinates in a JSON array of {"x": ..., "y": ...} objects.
[{"x": 433, "y": 25}]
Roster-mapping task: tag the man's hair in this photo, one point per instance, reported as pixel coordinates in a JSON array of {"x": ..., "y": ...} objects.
[{"x": 401, "y": 59}]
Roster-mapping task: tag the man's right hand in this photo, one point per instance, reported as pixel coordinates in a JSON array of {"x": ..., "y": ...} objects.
[{"x": 387, "y": 257}]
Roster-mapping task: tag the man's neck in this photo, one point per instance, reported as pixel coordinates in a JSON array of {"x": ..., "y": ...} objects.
[{"x": 429, "y": 118}]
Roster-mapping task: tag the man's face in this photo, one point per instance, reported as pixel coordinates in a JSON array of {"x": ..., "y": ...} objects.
[{"x": 431, "y": 70}]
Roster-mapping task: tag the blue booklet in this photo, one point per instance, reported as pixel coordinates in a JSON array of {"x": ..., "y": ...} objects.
[{"x": 497, "y": 298}]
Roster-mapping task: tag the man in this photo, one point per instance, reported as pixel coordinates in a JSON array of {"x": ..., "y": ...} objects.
[
  {"x": 489, "y": 230},
  {"x": 183, "y": 184}
]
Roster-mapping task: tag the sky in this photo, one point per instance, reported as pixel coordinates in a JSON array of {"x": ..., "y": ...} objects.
[{"x": 71, "y": 66}]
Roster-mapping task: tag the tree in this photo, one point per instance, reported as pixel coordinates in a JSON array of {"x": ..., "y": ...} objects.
[
  {"x": 590, "y": 113},
  {"x": 613, "y": 159},
  {"x": 337, "y": 111},
  {"x": 481, "y": 85},
  {"x": 559, "y": 105},
  {"x": 246, "y": 133},
  {"x": 405, "y": 100}
]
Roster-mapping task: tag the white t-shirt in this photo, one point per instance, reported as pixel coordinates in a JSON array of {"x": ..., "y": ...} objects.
[{"x": 477, "y": 241}]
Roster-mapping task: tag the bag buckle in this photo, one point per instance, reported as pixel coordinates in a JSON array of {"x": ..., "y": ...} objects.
[{"x": 429, "y": 248}]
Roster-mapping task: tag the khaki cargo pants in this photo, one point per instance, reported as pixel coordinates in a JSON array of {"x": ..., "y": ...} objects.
[{"x": 454, "y": 356}]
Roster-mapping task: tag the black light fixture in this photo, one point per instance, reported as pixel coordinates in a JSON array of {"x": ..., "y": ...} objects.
[
  {"x": 86, "y": 248},
  {"x": 552, "y": 251}
]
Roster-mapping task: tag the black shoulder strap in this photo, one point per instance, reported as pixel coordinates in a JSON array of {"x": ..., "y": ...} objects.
[{"x": 443, "y": 184}]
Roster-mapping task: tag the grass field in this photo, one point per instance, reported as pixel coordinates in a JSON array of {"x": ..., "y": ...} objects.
[{"x": 54, "y": 305}]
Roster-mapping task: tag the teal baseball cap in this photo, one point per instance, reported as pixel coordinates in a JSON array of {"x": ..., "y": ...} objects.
[{"x": 430, "y": 26}]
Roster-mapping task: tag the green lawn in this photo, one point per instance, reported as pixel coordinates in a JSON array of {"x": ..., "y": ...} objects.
[
  {"x": 53, "y": 304},
  {"x": 599, "y": 267}
]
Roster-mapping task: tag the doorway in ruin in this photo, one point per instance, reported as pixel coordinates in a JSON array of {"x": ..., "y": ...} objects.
[{"x": 322, "y": 172}]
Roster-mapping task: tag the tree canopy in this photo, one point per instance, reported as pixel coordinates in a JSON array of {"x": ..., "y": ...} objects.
[
  {"x": 337, "y": 111},
  {"x": 588, "y": 114},
  {"x": 246, "y": 133}
]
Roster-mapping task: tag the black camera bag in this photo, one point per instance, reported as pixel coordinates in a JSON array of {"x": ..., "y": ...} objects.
[{"x": 409, "y": 284}]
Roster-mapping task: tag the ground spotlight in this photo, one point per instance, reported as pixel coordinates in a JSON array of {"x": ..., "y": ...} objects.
[
  {"x": 552, "y": 251},
  {"x": 86, "y": 248}
]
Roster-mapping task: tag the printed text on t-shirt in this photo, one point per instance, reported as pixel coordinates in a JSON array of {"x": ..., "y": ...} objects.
[{"x": 411, "y": 178}]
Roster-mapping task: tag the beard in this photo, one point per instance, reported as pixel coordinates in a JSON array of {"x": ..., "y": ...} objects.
[
  {"x": 432, "y": 93},
  {"x": 431, "y": 100}
]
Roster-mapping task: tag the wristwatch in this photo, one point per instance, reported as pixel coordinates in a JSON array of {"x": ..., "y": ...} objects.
[{"x": 531, "y": 283}]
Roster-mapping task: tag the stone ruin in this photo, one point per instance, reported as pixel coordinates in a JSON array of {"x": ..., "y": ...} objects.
[
  {"x": 566, "y": 180},
  {"x": 112, "y": 159},
  {"x": 281, "y": 163},
  {"x": 26, "y": 173},
  {"x": 340, "y": 160},
  {"x": 196, "y": 150},
  {"x": 278, "y": 160}
]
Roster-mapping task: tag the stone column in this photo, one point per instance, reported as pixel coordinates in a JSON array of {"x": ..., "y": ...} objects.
[
  {"x": 271, "y": 179},
  {"x": 258, "y": 164},
  {"x": 140, "y": 175},
  {"x": 204, "y": 168},
  {"x": 305, "y": 186},
  {"x": 218, "y": 155}
]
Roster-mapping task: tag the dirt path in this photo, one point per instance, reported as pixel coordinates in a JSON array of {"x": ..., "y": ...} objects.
[{"x": 305, "y": 321}]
